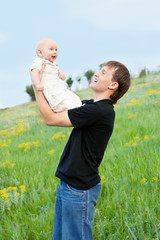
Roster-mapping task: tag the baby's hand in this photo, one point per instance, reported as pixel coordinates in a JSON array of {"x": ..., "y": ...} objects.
[
  {"x": 61, "y": 75},
  {"x": 40, "y": 87}
]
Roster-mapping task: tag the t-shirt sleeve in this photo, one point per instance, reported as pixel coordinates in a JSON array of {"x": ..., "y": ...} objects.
[
  {"x": 37, "y": 64},
  {"x": 84, "y": 116}
]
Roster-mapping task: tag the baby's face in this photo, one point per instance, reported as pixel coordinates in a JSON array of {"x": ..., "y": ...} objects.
[{"x": 49, "y": 50}]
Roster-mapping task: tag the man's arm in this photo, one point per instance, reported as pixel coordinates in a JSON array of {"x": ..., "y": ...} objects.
[{"x": 50, "y": 118}]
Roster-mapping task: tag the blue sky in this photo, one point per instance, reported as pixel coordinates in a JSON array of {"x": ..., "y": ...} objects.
[{"x": 87, "y": 32}]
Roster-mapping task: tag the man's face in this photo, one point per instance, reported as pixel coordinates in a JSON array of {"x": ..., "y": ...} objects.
[{"x": 102, "y": 79}]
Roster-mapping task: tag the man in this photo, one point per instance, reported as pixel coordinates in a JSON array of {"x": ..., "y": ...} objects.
[{"x": 93, "y": 124}]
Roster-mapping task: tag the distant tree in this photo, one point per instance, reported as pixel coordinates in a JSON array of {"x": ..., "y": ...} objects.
[
  {"x": 89, "y": 74},
  {"x": 69, "y": 82},
  {"x": 101, "y": 65},
  {"x": 30, "y": 91},
  {"x": 78, "y": 79},
  {"x": 143, "y": 73}
]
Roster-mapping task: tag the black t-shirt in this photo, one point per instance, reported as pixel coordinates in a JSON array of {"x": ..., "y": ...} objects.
[{"x": 93, "y": 125}]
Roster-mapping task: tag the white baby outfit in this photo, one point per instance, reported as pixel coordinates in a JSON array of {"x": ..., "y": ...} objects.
[{"x": 55, "y": 89}]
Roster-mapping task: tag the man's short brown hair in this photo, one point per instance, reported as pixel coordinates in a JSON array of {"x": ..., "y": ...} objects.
[{"x": 122, "y": 77}]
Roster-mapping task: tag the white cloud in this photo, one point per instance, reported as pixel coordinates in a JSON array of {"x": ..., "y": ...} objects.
[{"x": 117, "y": 14}]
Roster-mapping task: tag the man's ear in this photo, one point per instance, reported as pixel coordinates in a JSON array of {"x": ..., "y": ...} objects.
[
  {"x": 113, "y": 86},
  {"x": 39, "y": 52}
]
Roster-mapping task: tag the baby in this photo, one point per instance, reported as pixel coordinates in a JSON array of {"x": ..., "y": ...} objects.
[{"x": 51, "y": 83}]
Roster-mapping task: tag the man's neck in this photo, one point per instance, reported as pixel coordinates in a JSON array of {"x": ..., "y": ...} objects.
[{"x": 97, "y": 96}]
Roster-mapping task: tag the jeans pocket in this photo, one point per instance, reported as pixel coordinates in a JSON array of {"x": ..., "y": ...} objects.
[{"x": 75, "y": 190}]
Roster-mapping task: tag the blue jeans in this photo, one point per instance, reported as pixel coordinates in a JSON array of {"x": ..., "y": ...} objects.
[{"x": 74, "y": 212}]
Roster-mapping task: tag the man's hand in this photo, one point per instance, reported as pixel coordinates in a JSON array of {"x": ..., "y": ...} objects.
[
  {"x": 39, "y": 87},
  {"x": 50, "y": 118}
]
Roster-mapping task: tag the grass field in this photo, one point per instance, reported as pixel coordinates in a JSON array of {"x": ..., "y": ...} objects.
[{"x": 129, "y": 205}]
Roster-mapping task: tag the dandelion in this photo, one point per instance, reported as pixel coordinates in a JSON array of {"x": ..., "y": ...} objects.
[
  {"x": 103, "y": 180},
  {"x": 27, "y": 146},
  {"x": 21, "y": 145},
  {"x": 51, "y": 152},
  {"x": 23, "y": 189},
  {"x": 143, "y": 180},
  {"x": 63, "y": 137},
  {"x": 134, "y": 102},
  {"x": 59, "y": 136},
  {"x": 4, "y": 194},
  {"x": 130, "y": 116},
  {"x": 134, "y": 144},
  {"x": 36, "y": 143},
  {"x": 137, "y": 138},
  {"x": 7, "y": 164},
  {"x": 151, "y": 92},
  {"x": 3, "y": 191},
  {"x": 154, "y": 179},
  {"x": 17, "y": 194},
  {"x": 153, "y": 137},
  {"x": 146, "y": 137}
]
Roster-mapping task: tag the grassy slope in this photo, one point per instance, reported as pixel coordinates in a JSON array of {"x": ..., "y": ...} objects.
[{"x": 129, "y": 204}]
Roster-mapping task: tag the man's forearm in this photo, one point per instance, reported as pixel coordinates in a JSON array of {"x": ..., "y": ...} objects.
[{"x": 50, "y": 118}]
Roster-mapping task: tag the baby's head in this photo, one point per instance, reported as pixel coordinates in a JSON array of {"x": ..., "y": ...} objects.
[{"x": 47, "y": 49}]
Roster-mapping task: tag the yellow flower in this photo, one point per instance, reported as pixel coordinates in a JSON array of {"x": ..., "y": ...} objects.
[
  {"x": 146, "y": 137},
  {"x": 153, "y": 137},
  {"x": 137, "y": 138},
  {"x": 23, "y": 188},
  {"x": 14, "y": 188},
  {"x": 36, "y": 143},
  {"x": 17, "y": 194},
  {"x": 103, "y": 180},
  {"x": 51, "y": 152},
  {"x": 151, "y": 92},
  {"x": 134, "y": 102},
  {"x": 134, "y": 144},
  {"x": 130, "y": 116},
  {"x": 63, "y": 137},
  {"x": 4, "y": 195},
  {"x": 27, "y": 146},
  {"x": 154, "y": 179},
  {"x": 143, "y": 180},
  {"x": 3, "y": 191},
  {"x": 21, "y": 145}
]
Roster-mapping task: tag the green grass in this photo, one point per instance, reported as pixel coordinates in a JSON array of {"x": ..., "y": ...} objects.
[{"x": 129, "y": 206}]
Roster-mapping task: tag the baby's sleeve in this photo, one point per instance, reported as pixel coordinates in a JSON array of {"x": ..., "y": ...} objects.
[{"x": 37, "y": 64}]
